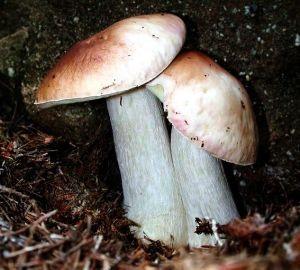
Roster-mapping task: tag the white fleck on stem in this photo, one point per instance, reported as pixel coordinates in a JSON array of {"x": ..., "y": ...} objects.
[
  {"x": 215, "y": 232},
  {"x": 204, "y": 189},
  {"x": 151, "y": 196}
]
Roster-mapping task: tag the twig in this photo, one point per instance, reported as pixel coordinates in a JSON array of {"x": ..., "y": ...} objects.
[
  {"x": 7, "y": 254},
  {"x": 78, "y": 246},
  {"x": 33, "y": 224},
  {"x": 98, "y": 241},
  {"x": 5, "y": 189}
]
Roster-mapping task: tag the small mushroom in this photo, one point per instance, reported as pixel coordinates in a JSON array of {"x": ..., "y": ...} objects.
[
  {"x": 124, "y": 56},
  {"x": 213, "y": 119}
]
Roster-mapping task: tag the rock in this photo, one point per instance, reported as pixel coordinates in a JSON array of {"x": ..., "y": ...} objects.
[
  {"x": 11, "y": 52},
  {"x": 79, "y": 123},
  {"x": 11, "y": 47}
]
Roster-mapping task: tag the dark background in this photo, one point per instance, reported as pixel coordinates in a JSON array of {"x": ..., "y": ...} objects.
[{"x": 255, "y": 40}]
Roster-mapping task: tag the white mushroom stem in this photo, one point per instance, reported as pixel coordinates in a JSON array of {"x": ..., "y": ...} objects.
[
  {"x": 151, "y": 193},
  {"x": 204, "y": 189}
]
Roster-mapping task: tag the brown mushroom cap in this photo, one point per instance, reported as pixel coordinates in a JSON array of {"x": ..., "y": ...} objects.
[
  {"x": 125, "y": 55},
  {"x": 210, "y": 107}
]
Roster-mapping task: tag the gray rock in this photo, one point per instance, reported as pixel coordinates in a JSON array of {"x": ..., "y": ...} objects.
[
  {"x": 11, "y": 52},
  {"x": 11, "y": 47},
  {"x": 79, "y": 123}
]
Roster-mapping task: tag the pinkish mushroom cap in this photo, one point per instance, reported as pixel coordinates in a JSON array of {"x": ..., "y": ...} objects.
[
  {"x": 210, "y": 107},
  {"x": 125, "y": 55}
]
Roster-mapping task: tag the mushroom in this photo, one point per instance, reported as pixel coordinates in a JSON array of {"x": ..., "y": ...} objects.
[
  {"x": 212, "y": 119},
  {"x": 142, "y": 144},
  {"x": 125, "y": 56}
]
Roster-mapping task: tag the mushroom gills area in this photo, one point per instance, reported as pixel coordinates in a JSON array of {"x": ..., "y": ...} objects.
[
  {"x": 151, "y": 193},
  {"x": 204, "y": 189}
]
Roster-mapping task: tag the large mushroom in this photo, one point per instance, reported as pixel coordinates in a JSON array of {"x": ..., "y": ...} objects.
[
  {"x": 122, "y": 57},
  {"x": 212, "y": 119}
]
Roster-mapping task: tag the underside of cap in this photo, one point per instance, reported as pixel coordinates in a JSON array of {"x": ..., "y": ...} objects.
[
  {"x": 209, "y": 107},
  {"x": 124, "y": 56}
]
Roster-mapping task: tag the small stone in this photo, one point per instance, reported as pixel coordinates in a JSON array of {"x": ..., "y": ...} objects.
[
  {"x": 11, "y": 72},
  {"x": 234, "y": 10},
  {"x": 242, "y": 183},
  {"x": 247, "y": 10}
]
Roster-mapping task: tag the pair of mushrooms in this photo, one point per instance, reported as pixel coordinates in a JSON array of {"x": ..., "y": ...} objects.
[{"x": 166, "y": 184}]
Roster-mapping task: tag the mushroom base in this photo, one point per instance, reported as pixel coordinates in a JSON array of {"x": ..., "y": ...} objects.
[
  {"x": 151, "y": 193},
  {"x": 204, "y": 189}
]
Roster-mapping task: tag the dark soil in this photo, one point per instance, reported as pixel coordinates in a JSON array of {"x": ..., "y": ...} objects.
[{"x": 39, "y": 172}]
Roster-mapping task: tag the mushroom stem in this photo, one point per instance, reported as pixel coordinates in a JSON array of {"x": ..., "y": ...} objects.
[
  {"x": 151, "y": 195},
  {"x": 204, "y": 189}
]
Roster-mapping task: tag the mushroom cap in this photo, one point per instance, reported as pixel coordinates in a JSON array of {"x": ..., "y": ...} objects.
[
  {"x": 125, "y": 55},
  {"x": 210, "y": 107}
]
